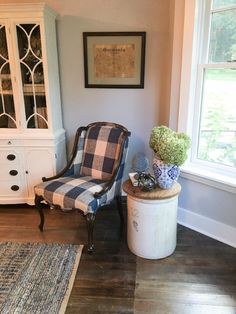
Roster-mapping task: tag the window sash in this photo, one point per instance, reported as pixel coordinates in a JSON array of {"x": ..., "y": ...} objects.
[{"x": 193, "y": 73}]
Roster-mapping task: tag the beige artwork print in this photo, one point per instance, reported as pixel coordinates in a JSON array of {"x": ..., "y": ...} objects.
[{"x": 114, "y": 61}]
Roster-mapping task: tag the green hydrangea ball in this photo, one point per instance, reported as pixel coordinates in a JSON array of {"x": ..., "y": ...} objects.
[{"x": 169, "y": 145}]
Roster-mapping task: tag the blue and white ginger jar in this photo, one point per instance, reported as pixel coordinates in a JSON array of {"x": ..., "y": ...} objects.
[{"x": 166, "y": 174}]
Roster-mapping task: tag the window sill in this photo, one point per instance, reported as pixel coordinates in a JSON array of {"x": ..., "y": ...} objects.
[{"x": 207, "y": 177}]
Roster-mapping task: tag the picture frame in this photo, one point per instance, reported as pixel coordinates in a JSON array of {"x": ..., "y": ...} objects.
[{"x": 114, "y": 59}]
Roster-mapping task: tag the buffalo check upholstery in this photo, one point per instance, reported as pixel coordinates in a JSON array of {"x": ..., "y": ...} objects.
[
  {"x": 71, "y": 192},
  {"x": 101, "y": 151},
  {"x": 93, "y": 175}
]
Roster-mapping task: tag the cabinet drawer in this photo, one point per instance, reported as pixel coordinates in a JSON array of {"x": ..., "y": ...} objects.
[
  {"x": 11, "y": 188},
  {"x": 9, "y": 171},
  {"x": 9, "y": 157},
  {"x": 9, "y": 143}
]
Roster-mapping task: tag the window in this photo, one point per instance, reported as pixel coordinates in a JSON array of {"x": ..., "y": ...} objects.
[{"x": 211, "y": 101}]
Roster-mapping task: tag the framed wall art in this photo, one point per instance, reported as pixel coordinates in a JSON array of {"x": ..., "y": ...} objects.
[{"x": 114, "y": 59}]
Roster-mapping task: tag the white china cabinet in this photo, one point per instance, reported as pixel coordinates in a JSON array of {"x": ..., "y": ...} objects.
[{"x": 32, "y": 139}]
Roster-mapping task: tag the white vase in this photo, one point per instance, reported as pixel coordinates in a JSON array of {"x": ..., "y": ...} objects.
[{"x": 166, "y": 174}]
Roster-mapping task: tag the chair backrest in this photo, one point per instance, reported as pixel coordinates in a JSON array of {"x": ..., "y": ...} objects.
[
  {"x": 103, "y": 146},
  {"x": 99, "y": 151}
]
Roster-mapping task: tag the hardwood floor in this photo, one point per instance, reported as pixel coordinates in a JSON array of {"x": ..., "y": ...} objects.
[{"x": 200, "y": 277}]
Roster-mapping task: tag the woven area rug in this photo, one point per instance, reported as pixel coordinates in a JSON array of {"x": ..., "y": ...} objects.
[{"x": 37, "y": 277}]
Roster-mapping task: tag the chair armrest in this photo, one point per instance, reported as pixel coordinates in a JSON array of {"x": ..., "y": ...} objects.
[{"x": 105, "y": 189}]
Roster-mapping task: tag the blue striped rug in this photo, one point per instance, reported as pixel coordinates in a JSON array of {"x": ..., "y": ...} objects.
[{"x": 37, "y": 277}]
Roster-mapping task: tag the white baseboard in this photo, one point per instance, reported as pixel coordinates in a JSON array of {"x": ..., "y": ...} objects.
[{"x": 212, "y": 228}]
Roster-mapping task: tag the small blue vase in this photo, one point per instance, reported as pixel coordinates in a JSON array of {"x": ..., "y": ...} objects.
[{"x": 166, "y": 174}]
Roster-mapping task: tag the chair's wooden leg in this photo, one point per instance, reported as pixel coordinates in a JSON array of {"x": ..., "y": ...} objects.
[
  {"x": 120, "y": 208},
  {"x": 90, "y": 218},
  {"x": 39, "y": 206}
]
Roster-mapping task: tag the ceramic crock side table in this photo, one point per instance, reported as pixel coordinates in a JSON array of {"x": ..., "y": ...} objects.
[{"x": 152, "y": 220}]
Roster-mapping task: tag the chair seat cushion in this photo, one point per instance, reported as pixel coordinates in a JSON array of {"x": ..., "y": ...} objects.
[{"x": 72, "y": 192}]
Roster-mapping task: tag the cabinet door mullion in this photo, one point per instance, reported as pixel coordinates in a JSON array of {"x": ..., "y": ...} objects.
[{"x": 9, "y": 115}]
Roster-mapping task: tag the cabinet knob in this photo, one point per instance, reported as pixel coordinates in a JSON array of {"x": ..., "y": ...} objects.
[
  {"x": 11, "y": 157},
  {"x": 13, "y": 172},
  {"x": 15, "y": 187},
  {"x": 9, "y": 143}
]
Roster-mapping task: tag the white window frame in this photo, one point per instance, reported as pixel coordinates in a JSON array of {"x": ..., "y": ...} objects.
[{"x": 195, "y": 21}]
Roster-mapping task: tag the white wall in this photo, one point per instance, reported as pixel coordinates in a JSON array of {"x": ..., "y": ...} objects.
[{"x": 137, "y": 109}]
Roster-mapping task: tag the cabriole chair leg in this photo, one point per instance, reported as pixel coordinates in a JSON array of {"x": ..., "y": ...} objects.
[
  {"x": 90, "y": 218},
  {"x": 39, "y": 206},
  {"x": 120, "y": 208}
]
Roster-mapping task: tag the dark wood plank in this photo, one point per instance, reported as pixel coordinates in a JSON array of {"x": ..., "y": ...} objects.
[{"x": 160, "y": 307}]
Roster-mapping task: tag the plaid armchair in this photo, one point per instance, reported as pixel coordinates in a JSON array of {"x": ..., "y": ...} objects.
[{"x": 92, "y": 177}]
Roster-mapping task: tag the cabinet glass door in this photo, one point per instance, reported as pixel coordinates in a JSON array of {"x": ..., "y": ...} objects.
[
  {"x": 31, "y": 64},
  {"x": 7, "y": 106}
]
